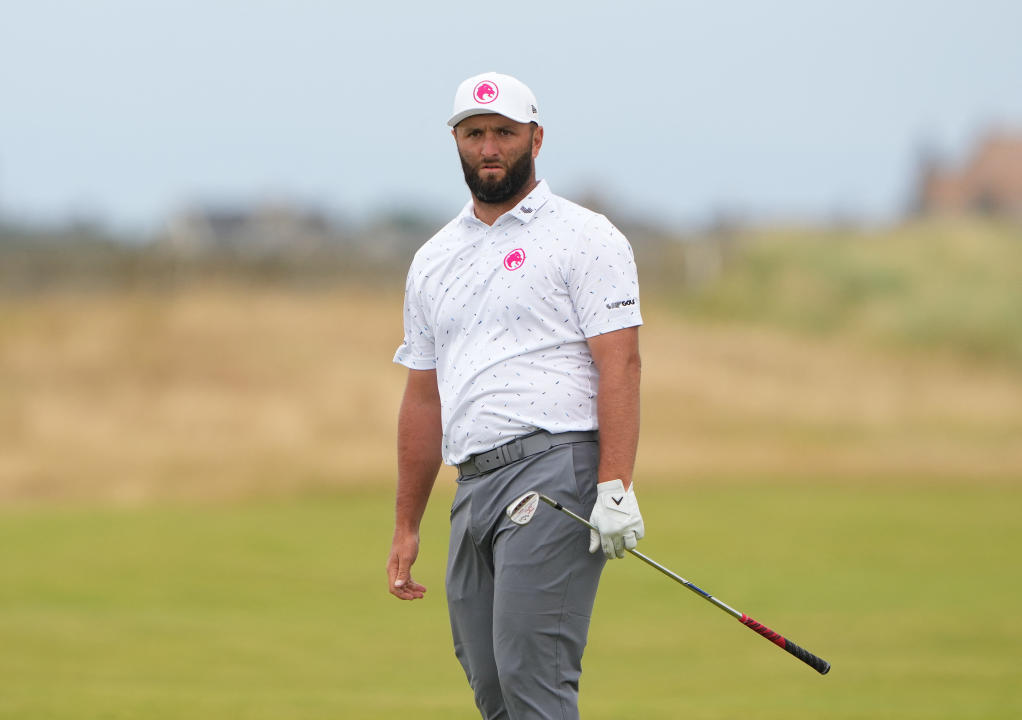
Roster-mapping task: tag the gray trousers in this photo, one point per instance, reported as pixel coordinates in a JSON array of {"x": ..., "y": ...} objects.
[{"x": 520, "y": 597}]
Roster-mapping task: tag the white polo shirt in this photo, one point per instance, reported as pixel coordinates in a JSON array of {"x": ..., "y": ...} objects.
[{"x": 503, "y": 312}]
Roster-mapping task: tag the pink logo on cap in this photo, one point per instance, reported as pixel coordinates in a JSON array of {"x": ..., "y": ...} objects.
[
  {"x": 514, "y": 259},
  {"x": 485, "y": 92}
]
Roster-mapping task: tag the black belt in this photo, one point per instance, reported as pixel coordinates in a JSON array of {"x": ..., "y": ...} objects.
[{"x": 522, "y": 447}]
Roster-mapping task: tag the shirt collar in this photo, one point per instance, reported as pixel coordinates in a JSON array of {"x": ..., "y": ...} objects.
[
  {"x": 523, "y": 211},
  {"x": 526, "y": 209}
]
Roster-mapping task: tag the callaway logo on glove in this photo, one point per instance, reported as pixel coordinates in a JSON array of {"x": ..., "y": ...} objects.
[{"x": 617, "y": 515}]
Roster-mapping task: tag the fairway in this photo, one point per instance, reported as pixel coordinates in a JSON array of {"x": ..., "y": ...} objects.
[{"x": 274, "y": 609}]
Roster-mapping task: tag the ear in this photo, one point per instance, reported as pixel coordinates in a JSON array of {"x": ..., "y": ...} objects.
[{"x": 537, "y": 141}]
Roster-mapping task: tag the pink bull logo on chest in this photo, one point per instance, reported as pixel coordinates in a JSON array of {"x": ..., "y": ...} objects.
[
  {"x": 485, "y": 92},
  {"x": 514, "y": 259}
]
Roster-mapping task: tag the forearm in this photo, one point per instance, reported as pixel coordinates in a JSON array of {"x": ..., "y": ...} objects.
[
  {"x": 616, "y": 515},
  {"x": 618, "y": 415},
  {"x": 418, "y": 453}
]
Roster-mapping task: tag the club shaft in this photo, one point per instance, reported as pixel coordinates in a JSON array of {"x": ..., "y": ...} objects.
[
  {"x": 817, "y": 663},
  {"x": 651, "y": 562}
]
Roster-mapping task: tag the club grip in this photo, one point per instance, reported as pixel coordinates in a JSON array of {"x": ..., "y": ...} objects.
[{"x": 816, "y": 663}]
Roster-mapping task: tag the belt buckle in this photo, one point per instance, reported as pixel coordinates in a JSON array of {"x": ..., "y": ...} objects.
[{"x": 512, "y": 451}]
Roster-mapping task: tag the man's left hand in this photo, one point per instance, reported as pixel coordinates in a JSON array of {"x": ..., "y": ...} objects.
[{"x": 617, "y": 516}]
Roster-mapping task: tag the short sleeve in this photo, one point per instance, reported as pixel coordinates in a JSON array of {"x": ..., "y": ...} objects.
[
  {"x": 418, "y": 351},
  {"x": 603, "y": 281}
]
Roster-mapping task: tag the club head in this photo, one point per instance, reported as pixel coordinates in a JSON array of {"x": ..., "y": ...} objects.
[{"x": 521, "y": 510}]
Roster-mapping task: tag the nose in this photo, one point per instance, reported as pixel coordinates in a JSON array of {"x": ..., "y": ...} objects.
[{"x": 489, "y": 147}]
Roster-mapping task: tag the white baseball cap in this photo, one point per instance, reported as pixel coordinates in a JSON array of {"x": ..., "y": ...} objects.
[{"x": 494, "y": 93}]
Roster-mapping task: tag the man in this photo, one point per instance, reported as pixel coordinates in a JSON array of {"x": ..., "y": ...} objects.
[{"x": 521, "y": 339}]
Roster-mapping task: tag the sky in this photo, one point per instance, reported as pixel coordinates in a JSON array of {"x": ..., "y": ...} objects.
[{"x": 128, "y": 111}]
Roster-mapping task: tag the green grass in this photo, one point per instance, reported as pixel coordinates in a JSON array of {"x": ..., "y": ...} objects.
[{"x": 278, "y": 609}]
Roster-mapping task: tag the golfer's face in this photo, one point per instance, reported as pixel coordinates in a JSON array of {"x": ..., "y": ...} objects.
[{"x": 491, "y": 144}]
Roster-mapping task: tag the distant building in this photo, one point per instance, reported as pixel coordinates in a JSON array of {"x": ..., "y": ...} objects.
[
  {"x": 265, "y": 229},
  {"x": 989, "y": 182}
]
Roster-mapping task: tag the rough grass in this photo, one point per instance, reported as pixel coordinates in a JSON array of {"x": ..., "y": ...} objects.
[
  {"x": 228, "y": 392},
  {"x": 945, "y": 286},
  {"x": 213, "y": 393}
]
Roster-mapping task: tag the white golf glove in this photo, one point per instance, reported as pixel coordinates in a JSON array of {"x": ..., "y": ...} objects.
[{"x": 617, "y": 516}]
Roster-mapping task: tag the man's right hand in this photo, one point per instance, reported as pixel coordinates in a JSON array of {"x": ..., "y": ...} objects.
[{"x": 403, "y": 552}]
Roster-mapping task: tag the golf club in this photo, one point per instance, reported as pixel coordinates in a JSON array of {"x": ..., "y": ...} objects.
[{"x": 522, "y": 510}]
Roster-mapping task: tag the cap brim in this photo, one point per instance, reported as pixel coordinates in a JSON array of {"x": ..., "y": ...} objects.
[{"x": 458, "y": 117}]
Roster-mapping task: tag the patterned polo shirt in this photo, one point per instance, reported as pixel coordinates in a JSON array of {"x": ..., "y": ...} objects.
[{"x": 503, "y": 312}]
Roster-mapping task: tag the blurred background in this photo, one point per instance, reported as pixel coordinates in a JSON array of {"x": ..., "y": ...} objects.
[{"x": 206, "y": 213}]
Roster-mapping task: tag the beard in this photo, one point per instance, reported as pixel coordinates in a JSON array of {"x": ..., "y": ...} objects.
[{"x": 496, "y": 191}]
